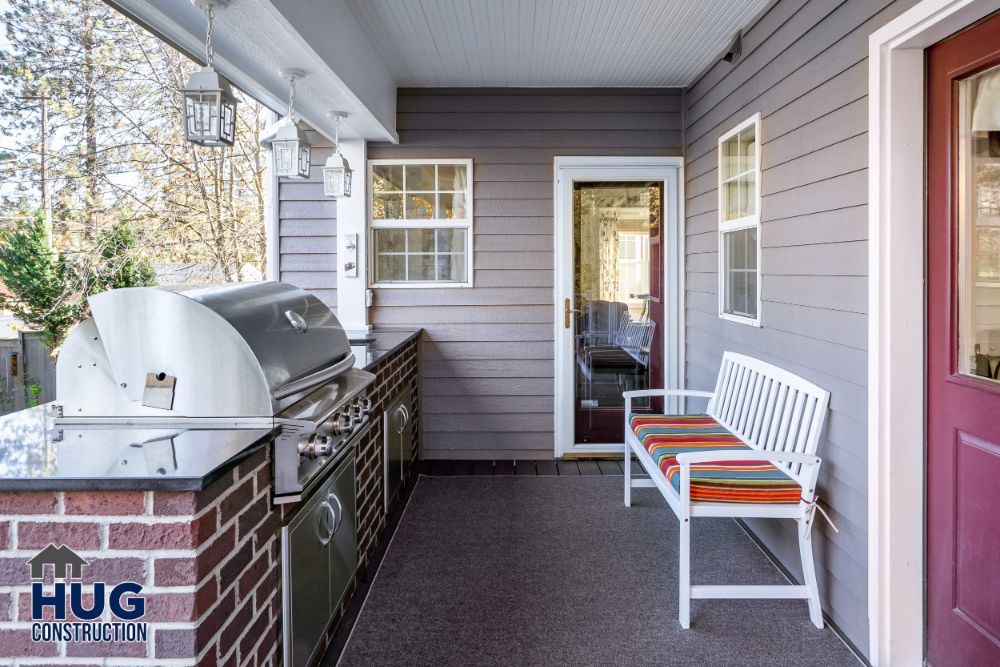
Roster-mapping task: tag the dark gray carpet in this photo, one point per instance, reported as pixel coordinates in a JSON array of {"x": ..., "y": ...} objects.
[{"x": 556, "y": 571}]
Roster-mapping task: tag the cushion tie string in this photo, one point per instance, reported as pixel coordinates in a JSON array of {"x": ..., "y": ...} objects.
[{"x": 814, "y": 505}]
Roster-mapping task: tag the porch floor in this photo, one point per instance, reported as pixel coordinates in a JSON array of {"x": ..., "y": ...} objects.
[{"x": 552, "y": 569}]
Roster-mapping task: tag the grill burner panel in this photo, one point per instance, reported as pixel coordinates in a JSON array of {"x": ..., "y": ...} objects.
[{"x": 252, "y": 355}]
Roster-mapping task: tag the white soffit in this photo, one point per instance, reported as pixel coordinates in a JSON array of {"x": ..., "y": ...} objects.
[
  {"x": 253, "y": 39},
  {"x": 558, "y": 43}
]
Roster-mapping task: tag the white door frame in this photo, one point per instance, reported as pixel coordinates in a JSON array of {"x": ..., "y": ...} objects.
[
  {"x": 896, "y": 352},
  {"x": 669, "y": 170}
]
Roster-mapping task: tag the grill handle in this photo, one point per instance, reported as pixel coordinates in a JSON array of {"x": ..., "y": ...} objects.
[{"x": 313, "y": 379}]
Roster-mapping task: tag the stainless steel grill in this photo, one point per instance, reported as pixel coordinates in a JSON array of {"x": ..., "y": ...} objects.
[{"x": 227, "y": 357}]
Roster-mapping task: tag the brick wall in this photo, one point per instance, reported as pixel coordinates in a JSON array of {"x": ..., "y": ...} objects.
[
  {"x": 393, "y": 375},
  {"x": 209, "y": 561}
]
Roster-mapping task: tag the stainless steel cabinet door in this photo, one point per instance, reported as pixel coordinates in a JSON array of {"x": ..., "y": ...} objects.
[
  {"x": 398, "y": 434},
  {"x": 343, "y": 548}
]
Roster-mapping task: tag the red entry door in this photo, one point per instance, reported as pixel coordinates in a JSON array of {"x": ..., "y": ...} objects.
[{"x": 963, "y": 349}]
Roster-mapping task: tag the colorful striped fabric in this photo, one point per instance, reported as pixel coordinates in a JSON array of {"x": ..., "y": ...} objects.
[{"x": 731, "y": 481}]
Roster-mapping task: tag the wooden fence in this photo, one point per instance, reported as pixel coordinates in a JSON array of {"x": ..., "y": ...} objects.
[{"x": 27, "y": 372}]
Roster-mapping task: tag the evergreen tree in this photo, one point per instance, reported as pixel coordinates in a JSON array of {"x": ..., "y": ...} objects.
[
  {"x": 42, "y": 289},
  {"x": 119, "y": 262}
]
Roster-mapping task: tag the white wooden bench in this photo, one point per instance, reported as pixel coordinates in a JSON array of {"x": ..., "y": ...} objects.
[{"x": 779, "y": 416}]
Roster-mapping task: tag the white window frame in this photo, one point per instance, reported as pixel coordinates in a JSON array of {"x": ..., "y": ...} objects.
[
  {"x": 432, "y": 223},
  {"x": 751, "y": 221}
]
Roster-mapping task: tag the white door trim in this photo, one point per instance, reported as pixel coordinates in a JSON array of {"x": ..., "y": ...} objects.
[
  {"x": 896, "y": 354},
  {"x": 670, "y": 170}
]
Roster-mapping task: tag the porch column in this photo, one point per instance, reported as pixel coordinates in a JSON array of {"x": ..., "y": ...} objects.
[{"x": 352, "y": 304}]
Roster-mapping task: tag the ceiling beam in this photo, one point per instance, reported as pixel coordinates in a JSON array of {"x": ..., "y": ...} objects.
[{"x": 254, "y": 39}]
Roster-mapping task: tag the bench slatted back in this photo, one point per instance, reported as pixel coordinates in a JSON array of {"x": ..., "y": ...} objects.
[{"x": 769, "y": 408}]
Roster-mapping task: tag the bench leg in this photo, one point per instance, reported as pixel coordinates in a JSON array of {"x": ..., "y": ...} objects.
[
  {"x": 627, "y": 468},
  {"x": 684, "y": 574},
  {"x": 809, "y": 573}
]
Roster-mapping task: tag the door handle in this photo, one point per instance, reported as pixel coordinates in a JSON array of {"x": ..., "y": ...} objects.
[
  {"x": 336, "y": 514},
  {"x": 569, "y": 309},
  {"x": 325, "y": 522}
]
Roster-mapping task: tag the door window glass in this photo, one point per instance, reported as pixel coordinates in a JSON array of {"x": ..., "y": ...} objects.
[
  {"x": 979, "y": 226},
  {"x": 616, "y": 232}
]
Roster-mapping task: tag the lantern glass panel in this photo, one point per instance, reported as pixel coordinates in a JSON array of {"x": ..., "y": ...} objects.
[
  {"x": 202, "y": 111},
  {"x": 227, "y": 129},
  {"x": 304, "y": 160},
  {"x": 337, "y": 182},
  {"x": 332, "y": 180},
  {"x": 285, "y": 158}
]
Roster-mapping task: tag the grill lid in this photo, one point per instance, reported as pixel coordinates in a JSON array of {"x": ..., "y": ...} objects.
[{"x": 246, "y": 349}]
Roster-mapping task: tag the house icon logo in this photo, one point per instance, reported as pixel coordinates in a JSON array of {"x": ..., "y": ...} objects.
[
  {"x": 62, "y": 612},
  {"x": 65, "y": 562}
]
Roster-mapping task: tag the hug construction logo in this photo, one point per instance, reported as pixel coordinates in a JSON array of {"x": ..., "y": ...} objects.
[{"x": 122, "y": 600}]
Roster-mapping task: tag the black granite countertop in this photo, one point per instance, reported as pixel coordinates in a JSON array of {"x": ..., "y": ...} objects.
[
  {"x": 383, "y": 342},
  {"x": 35, "y": 455}
]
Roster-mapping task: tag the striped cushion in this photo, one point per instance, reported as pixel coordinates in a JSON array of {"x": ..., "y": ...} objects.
[{"x": 732, "y": 481}]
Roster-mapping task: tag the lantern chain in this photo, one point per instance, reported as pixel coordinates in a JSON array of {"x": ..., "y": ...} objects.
[
  {"x": 209, "y": 51},
  {"x": 336, "y": 134},
  {"x": 291, "y": 97}
]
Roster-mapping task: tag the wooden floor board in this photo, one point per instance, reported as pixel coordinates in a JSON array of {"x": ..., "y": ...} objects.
[
  {"x": 567, "y": 468},
  {"x": 524, "y": 467},
  {"x": 441, "y": 467},
  {"x": 462, "y": 467},
  {"x": 609, "y": 467},
  {"x": 503, "y": 467},
  {"x": 482, "y": 468},
  {"x": 589, "y": 467},
  {"x": 546, "y": 468}
]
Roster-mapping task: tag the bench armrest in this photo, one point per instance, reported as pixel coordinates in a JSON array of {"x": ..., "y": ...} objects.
[
  {"x": 810, "y": 463},
  {"x": 688, "y": 458},
  {"x": 638, "y": 393}
]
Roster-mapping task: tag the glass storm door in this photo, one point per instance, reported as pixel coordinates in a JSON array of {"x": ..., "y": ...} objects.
[
  {"x": 963, "y": 348},
  {"x": 616, "y": 311}
]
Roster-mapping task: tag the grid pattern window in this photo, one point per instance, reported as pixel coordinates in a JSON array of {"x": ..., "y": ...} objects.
[
  {"x": 739, "y": 223},
  {"x": 421, "y": 222}
]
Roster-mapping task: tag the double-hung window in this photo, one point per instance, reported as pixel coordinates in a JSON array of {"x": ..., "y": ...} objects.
[
  {"x": 739, "y": 223},
  {"x": 420, "y": 214}
]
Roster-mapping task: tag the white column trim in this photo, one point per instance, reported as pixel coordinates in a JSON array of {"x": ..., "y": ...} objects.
[
  {"x": 896, "y": 353},
  {"x": 272, "y": 218},
  {"x": 352, "y": 308}
]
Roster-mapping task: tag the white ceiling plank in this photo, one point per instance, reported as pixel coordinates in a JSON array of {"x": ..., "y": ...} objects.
[{"x": 551, "y": 43}]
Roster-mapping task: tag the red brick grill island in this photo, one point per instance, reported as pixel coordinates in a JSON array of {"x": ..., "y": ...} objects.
[{"x": 208, "y": 558}]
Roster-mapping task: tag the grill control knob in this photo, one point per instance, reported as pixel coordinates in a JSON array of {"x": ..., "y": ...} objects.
[
  {"x": 366, "y": 406},
  {"x": 317, "y": 446},
  {"x": 357, "y": 415},
  {"x": 342, "y": 424},
  {"x": 323, "y": 446}
]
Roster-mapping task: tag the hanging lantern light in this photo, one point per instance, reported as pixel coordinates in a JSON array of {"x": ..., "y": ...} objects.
[
  {"x": 209, "y": 104},
  {"x": 336, "y": 172},
  {"x": 289, "y": 146}
]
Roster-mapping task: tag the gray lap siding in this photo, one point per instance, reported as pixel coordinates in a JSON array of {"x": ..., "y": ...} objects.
[
  {"x": 804, "y": 68},
  {"x": 487, "y": 366}
]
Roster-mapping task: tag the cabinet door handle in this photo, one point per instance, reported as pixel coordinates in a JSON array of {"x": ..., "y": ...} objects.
[
  {"x": 338, "y": 515},
  {"x": 325, "y": 523}
]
